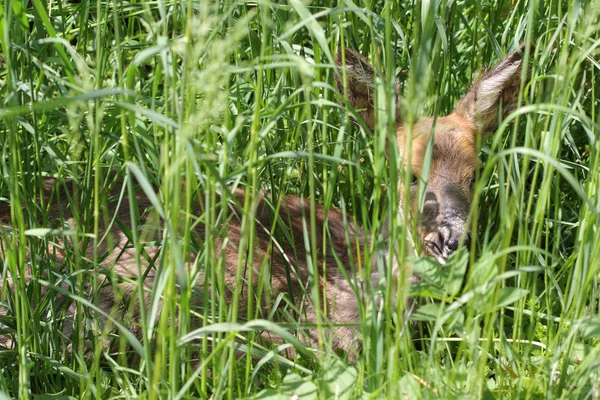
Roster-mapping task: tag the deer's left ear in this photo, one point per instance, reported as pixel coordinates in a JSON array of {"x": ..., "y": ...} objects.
[
  {"x": 497, "y": 90},
  {"x": 360, "y": 86}
]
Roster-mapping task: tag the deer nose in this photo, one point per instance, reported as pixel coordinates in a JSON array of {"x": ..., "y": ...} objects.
[
  {"x": 452, "y": 244},
  {"x": 453, "y": 241}
]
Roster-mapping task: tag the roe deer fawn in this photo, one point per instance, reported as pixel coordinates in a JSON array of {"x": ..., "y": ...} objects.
[{"x": 441, "y": 226}]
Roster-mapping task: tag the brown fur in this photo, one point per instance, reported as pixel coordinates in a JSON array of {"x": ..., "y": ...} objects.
[{"x": 280, "y": 255}]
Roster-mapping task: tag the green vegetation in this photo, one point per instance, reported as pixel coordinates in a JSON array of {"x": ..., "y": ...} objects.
[{"x": 242, "y": 93}]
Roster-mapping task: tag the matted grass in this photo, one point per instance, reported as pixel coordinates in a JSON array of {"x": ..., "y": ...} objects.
[{"x": 221, "y": 94}]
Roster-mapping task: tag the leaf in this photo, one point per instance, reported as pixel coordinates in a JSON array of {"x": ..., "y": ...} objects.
[
  {"x": 448, "y": 317},
  {"x": 42, "y": 13},
  {"x": 313, "y": 27},
  {"x": 250, "y": 326},
  {"x": 340, "y": 379},
  {"x": 408, "y": 388},
  {"x": 429, "y": 270},
  {"x": 63, "y": 102},
  {"x": 454, "y": 272},
  {"x": 338, "y": 382},
  {"x": 19, "y": 14},
  {"x": 146, "y": 187},
  {"x": 52, "y": 397},
  {"x": 483, "y": 270},
  {"x": 293, "y": 386},
  {"x": 428, "y": 312},
  {"x": 63, "y": 369},
  {"x": 426, "y": 290},
  {"x": 579, "y": 352},
  {"x": 158, "y": 118},
  {"x": 590, "y": 327},
  {"x": 145, "y": 54},
  {"x": 133, "y": 341},
  {"x": 508, "y": 296},
  {"x": 47, "y": 232},
  {"x": 440, "y": 281}
]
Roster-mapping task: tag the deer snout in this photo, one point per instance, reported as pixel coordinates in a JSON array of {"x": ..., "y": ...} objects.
[
  {"x": 451, "y": 237},
  {"x": 444, "y": 222},
  {"x": 446, "y": 240}
]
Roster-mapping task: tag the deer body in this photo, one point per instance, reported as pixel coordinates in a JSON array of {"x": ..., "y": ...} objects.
[{"x": 279, "y": 256}]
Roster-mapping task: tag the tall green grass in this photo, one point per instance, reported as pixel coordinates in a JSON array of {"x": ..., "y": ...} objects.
[{"x": 219, "y": 94}]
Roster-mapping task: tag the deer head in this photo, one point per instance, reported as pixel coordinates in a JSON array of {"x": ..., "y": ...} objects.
[{"x": 442, "y": 224}]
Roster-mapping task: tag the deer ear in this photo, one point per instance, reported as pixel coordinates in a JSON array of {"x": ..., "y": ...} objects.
[
  {"x": 360, "y": 79},
  {"x": 497, "y": 90}
]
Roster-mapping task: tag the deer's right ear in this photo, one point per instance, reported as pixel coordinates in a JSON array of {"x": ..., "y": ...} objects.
[
  {"x": 360, "y": 84},
  {"x": 495, "y": 94}
]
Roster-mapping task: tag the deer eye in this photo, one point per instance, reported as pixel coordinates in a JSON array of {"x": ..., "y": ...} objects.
[
  {"x": 472, "y": 182},
  {"x": 414, "y": 180}
]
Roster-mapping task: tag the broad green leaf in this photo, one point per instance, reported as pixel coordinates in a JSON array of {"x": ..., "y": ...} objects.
[
  {"x": 340, "y": 379},
  {"x": 429, "y": 270},
  {"x": 408, "y": 388},
  {"x": 508, "y": 296},
  {"x": 590, "y": 327},
  {"x": 428, "y": 312},
  {"x": 439, "y": 281},
  {"x": 292, "y": 387},
  {"x": 448, "y": 317}
]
